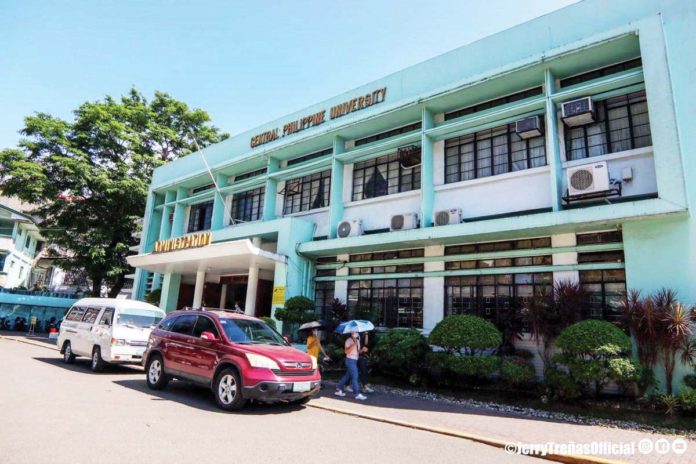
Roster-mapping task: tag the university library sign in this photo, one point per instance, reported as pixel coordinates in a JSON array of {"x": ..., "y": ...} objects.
[
  {"x": 316, "y": 119},
  {"x": 182, "y": 243}
]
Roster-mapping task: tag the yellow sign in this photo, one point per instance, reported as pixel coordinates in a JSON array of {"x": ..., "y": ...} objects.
[
  {"x": 278, "y": 296},
  {"x": 182, "y": 243}
]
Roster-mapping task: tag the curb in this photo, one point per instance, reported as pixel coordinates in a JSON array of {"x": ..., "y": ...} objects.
[
  {"x": 565, "y": 458},
  {"x": 28, "y": 342}
]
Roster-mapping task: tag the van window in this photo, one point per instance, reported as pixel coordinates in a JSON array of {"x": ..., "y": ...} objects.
[
  {"x": 75, "y": 313},
  {"x": 108, "y": 317},
  {"x": 184, "y": 325},
  {"x": 138, "y": 318},
  {"x": 205, "y": 324},
  {"x": 91, "y": 315}
]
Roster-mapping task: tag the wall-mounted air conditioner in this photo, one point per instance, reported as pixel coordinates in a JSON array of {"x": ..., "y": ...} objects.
[
  {"x": 578, "y": 112},
  {"x": 351, "y": 228},
  {"x": 404, "y": 221},
  {"x": 448, "y": 216},
  {"x": 588, "y": 178},
  {"x": 529, "y": 127}
]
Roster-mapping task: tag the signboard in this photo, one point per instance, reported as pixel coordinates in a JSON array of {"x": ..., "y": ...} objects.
[
  {"x": 316, "y": 119},
  {"x": 182, "y": 243},
  {"x": 278, "y": 296}
]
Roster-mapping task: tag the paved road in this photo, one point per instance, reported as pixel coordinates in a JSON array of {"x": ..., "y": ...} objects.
[{"x": 52, "y": 412}]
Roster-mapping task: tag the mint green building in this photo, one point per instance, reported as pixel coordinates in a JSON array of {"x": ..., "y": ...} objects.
[{"x": 562, "y": 148}]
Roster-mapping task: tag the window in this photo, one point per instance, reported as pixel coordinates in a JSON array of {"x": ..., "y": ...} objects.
[
  {"x": 621, "y": 124},
  {"x": 489, "y": 295},
  {"x": 108, "y": 317},
  {"x": 167, "y": 324},
  {"x": 76, "y": 313},
  {"x": 613, "y": 236},
  {"x": 2, "y": 261},
  {"x": 390, "y": 133},
  {"x": 393, "y": 302},
  {"x": 311, "y": 156},
  {"x": 138, "y": 318},
  {"x": 200, "y": 216},
  {"x": 384, "y": 255},
  {"x": 250, "y": 174},
  {"x": 6, "y": 227},
  {"x": 324, "y": 293},
  {"x": 205, "y": 324},
  {"x": 250, "y": 332},
  {"x": 607, "y": 288},
  {"x": 307, "y": 193},
  {"x": 383, "y": 176},
  {"x": 248, "y": 206},
  {"x": 524, "y": 244},
  {"x": 201, "y": 189},
  {"x": 588, "y": 76},
  {"x": 493, "y": 103},
  {"x": 491, "y": 152},
  {"x": 184, "y": 324},
  {"x": 91, "y": 315}
]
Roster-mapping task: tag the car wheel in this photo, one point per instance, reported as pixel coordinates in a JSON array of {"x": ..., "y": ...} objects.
[
  {"x": 156, "y": 378},
  {"x": 97, "y": 361},
  {"x": 68, "y": 355},
  {"x": 228, "y": 390}
]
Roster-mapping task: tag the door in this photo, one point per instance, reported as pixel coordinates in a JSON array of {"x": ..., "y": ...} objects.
[
  {"x": 203, "y": 353},
  {"x": 84, "y": 338},
  {"x": 178, "y": 345},
  {"x": 101, "y": 331},
  {"x": 70, "y": 325}
]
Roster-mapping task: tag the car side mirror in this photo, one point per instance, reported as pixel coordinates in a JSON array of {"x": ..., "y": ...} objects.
[{"x": 208, "y": 336}]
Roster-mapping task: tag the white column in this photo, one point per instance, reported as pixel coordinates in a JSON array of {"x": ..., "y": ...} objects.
[
  {"x": 559, "y": 259},
  {"x": 433, "y": 290},
  {"x": 223, "y": 296},
  {"x": 198, "y": 291},
  {"x": 250, "y": 304},
  {"x": 341, "y": 286}
]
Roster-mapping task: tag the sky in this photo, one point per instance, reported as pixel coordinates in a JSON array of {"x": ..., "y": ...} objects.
[{"x": 245, "y": 63}]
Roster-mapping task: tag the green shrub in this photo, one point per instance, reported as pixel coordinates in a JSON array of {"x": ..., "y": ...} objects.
[
  {"x": 593, "y": 338},
  {"x": 516, "y": 371},
  {"x": 297, "y": 310},
  {"x": 560, "y": 384},
  {"x": 687, "y": 399},
  {"x": 154, "y": 297},
  {"x": 472, "y": 366},
  {"x": 690, "y": 380},
  {"x": 269, "y": 321},
  {"x": 400, "y": 352},
  {"x": 591, "y": 351},
  {"x": 469, "y": 333},
  {"x": 524, "y": 354}
]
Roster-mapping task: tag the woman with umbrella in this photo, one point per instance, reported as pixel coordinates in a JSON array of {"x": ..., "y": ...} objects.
[
  {"x": 352, "y": 350},
  {"x": 313, "y": 342}
]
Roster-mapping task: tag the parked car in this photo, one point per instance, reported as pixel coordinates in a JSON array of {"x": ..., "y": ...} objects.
[
  {"x": 238, "y": 357},
  {"x": 107, "y": 330}
]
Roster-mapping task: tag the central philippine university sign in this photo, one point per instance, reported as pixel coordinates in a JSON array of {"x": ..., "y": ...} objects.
[
  {"x": 313, "y": 120},
  {"x": 183, "y": 243}
]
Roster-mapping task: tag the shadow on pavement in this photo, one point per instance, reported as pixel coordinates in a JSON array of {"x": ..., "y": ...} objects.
[
  {"x": 197, "y": 397},
  {"x": 83, "y": 365}
]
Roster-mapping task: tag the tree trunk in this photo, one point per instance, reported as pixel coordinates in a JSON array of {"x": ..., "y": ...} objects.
[
  {"x": 669, "y": 358},
  {"x": 96, "y": 286},
  {"x": 117, "y": 285}
]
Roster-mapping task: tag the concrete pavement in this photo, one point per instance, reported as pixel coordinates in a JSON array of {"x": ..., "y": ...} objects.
[{"x": 57, "y": 413}]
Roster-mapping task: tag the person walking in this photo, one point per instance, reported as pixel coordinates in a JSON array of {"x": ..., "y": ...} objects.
[
  {"x": 314, "y": 346},
  {"x": 352, "y": 350}
]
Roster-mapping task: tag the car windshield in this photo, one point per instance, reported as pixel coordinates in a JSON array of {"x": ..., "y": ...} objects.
[
  {"x": 250, "y": 332},
  {"x": 138, "y": 318}
]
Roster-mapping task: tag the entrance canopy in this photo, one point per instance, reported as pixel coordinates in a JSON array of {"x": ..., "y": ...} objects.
[{"x": 235, "y": 257}]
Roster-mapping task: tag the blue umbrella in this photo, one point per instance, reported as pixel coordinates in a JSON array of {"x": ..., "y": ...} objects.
[{"x": 355, "y": 326}]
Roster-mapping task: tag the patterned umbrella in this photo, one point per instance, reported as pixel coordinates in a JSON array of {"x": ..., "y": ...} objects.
[{"x": 355, "y": 326}]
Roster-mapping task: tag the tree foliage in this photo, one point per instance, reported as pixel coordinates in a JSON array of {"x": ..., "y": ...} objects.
[
  {"x": 472, "y": 334},
  {"x": 90, "y": 176}
]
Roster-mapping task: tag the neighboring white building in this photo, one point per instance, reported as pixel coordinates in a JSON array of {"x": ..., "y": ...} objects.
[{"x": 20, "y": 242}]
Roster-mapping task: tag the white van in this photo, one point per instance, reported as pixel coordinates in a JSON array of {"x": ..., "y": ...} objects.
[{"x": 107, "y": 330}]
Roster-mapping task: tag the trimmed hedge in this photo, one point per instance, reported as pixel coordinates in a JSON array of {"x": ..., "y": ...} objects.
[
  {"x": 516, "y": 371},
  {"x": 469, "y": 333},
  {"x": 400, "y": 352},
  {"x": 597, "y": 339},
  {"x": 297, "y": 310},
  {"x": 463, "y": 366}
]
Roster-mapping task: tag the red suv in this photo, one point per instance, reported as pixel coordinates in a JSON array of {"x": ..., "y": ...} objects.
[{"x": 237, "y": 356}]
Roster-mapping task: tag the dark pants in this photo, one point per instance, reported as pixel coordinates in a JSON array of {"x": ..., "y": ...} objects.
[{"x": 362, "y": 370}]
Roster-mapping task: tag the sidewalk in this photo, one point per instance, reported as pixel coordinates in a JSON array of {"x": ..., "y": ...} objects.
[
  {"x": 39, "y": 339},
  {"x": 498, "y": 426}
]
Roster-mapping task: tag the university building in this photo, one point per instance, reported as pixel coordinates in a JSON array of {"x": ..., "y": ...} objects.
[{"x": 563, "y": 148}]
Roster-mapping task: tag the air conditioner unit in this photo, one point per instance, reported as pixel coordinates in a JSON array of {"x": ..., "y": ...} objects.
[
  {"x": 351, "y": 228},
  {"x": 404, "y": 221},
  {"x": 578, "y": 112},
  {"x": 588, "y": 178},
  {"x": 448, "y": 216},
  {"x": 529, "y": 127}
]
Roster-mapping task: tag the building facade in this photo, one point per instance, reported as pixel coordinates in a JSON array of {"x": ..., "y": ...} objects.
[{"x": 560, "y": 149}]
